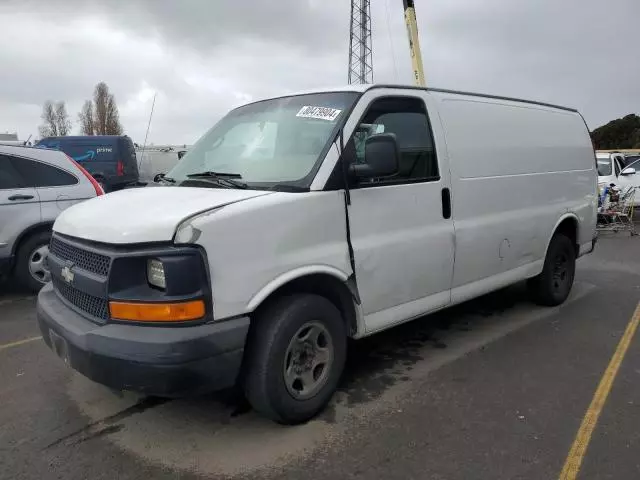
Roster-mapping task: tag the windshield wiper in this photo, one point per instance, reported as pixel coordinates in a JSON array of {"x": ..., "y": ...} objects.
[{"x": 224, "y": 179}]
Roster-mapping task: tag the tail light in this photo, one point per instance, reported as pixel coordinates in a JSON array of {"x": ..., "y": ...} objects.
[
  {"x": 96, "y": 185},
  {"x": 120, "y": 168}
]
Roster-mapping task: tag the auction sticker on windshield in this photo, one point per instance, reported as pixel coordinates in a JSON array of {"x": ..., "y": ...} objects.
[{"x": 321, "y": 113}]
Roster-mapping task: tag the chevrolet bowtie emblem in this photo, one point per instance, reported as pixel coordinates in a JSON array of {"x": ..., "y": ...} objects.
[{"x": 67, "y": 274}]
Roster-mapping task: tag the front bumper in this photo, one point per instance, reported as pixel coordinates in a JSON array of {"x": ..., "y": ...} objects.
[{"x": 153, "y": 360}]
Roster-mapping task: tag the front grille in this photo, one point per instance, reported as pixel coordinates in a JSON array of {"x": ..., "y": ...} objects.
[
  {"x": 94, "y": 306},
  {"x": 89, "y": 261}
]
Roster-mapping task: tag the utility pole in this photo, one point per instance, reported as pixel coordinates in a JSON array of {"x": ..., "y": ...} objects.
[
  {"x": 414, "y": 42},
  {"x": 360, "y": 45}
]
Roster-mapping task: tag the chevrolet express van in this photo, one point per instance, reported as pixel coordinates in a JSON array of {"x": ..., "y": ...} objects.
[{"x": 298, "y": 222}]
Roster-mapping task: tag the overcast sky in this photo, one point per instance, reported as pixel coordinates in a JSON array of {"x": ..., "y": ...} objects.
[{"x": 203, "y": 57}]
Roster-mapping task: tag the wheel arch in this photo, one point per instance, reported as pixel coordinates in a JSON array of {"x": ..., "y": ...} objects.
[
  {"x": 569, "y": 225},
  {"x": 32, "y": 230},
  {"x": 329, "y": 282}
]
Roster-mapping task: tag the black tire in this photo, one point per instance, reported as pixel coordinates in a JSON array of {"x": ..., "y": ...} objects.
[
  {"x": 553, "y": 285},
  {"x": 269, "y": 343},
  {"x": 24, "y": 255}
]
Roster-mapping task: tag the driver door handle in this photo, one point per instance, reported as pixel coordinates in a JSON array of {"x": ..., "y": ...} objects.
[{"x": 13, "y": 198}]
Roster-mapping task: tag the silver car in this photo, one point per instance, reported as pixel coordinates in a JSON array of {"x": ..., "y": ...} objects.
[{"x": 35, "y": 186}]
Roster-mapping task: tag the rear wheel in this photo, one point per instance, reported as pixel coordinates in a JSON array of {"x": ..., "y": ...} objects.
[
  {"x": 32, "y": 266},
  {"x": 296, "y": 355},
  {"x": 553, "y": 285}
]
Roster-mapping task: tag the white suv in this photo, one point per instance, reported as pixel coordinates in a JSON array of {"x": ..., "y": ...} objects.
[{"x": 35, "y": 186}]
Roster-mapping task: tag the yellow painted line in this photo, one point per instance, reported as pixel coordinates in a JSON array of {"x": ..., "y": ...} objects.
[
  {"x": 19, "y": 342},
  {"x": 581, "y": 443}
]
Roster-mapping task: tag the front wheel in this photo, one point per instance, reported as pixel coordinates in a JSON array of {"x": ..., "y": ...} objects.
[
  {"x": 553, "y": 285},
  {"x": 296, "y": 354}
]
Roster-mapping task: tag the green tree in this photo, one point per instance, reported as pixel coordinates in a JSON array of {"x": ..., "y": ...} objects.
[{"x": 622, "y": 133}]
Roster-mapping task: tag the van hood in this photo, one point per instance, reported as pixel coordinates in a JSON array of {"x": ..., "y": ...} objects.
[{"x": 141, "y": 215}]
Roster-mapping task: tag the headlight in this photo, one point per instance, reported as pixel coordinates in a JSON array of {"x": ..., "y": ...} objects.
[{"x": 155, "y": 274}]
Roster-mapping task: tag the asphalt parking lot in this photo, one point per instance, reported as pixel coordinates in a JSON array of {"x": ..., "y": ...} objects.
[{"x": 493, "y": 389}]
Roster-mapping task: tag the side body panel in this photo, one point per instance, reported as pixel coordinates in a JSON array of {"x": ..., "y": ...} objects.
[
  {"x": 516, "y": 170},
  {"x": 255, "y": 246}
]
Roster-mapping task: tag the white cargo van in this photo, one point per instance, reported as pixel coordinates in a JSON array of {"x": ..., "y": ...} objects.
[{"x": 297, "y": 222}]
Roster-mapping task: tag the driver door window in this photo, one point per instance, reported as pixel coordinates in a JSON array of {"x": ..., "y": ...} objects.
[
  {"x": 407, "y": 119},
  {"x": 398, "y": 229}
]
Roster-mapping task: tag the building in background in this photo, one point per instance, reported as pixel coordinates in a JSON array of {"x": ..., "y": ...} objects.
[{"x": 12, "y": 139}]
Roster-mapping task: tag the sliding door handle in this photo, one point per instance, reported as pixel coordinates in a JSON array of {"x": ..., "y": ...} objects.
[{"x": 446, "y": 203}]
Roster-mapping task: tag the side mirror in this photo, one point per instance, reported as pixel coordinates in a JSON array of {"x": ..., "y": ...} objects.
[
  {"x": 381, "y": 156},
  {"x": 628, "y": 171},
  {"x": 158, "y": 177}
]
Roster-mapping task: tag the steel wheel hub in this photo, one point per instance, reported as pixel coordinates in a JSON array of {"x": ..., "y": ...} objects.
[{"x": 308, "y": 360}]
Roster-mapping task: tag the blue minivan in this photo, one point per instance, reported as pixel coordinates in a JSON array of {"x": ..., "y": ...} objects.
[{"x": 110, "y": 159}]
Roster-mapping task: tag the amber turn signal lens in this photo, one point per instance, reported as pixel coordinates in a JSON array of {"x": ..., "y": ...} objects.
[{"x": 157, "y": 312}]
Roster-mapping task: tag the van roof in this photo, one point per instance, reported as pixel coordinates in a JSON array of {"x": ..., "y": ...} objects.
[{"x": 361, "y": 88}]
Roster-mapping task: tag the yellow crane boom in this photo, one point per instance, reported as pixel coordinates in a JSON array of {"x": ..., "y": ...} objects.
[{"x": 414, "y": 42}]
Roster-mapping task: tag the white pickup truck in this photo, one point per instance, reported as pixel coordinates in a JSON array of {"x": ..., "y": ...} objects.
[{"x": 300, "y": 221}]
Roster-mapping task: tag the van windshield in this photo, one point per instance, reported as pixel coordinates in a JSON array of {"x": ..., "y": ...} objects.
[{"x": 269, "y": 143}]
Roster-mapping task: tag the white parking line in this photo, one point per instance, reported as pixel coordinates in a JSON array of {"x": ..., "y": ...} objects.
[
  {"x": 8, "y": 301},
  {"x": 18, "y": 343}
]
